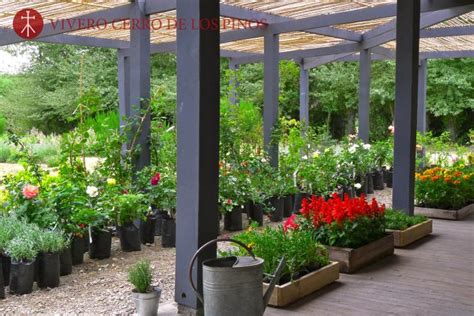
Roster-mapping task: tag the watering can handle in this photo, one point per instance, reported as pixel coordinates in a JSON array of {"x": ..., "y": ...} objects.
[{"x": 214, "y": 241}]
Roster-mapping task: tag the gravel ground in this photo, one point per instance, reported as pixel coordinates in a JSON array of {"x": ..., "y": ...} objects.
[{"x": 101, "y": 287}]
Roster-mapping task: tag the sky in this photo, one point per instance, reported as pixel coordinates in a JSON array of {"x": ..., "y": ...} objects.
[{"x": 12, "y": 64}]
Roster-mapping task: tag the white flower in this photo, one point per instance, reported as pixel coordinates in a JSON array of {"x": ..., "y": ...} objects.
[
  {"x": 367, "y": 146},
  {"x": 357, "y": 186},
  {"x": 304, "y": 157},
  {"x": 92, "y": 191},
  {"x": 263, "y": 160},
  {"x": 353, "y": 148},
  {"x": 316, "y": 154}
]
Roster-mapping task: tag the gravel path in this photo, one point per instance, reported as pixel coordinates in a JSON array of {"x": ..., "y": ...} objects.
[{"x": 101, "y": 287}]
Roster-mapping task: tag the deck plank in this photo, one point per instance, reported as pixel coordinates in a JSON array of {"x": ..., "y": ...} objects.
[{"x": 434, "y": 276}]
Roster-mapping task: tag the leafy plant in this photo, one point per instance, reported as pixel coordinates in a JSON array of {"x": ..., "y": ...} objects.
[
  {"x": 140, "y": 275},
  {"x": 446, "y": 188},
  {"x": 129, "y": 207},
  {"x": 342, "y": 222},
  {"x": 302, "y": 252},
  {"x": 51, "y": 241},
  {"x": 398, "y": 220},
  {"x": 22, "y": 248}
]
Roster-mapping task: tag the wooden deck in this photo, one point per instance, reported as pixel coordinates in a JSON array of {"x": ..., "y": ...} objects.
[{"x": 434, "y": 276}]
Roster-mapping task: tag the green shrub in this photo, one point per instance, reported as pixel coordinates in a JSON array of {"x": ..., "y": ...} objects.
[
  {"x": 51, "y": 241},
  {"x": 8, "y": 228},
  {"x": 45, "y": 151},
  {"x": 140, "y": 275},
  {"x": 22, "y": 248},
  {"x": 398, "y": 220},
  {"x": 5, "y": 152}
]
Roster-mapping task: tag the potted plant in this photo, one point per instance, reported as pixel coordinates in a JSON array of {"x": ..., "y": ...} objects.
[
  {"x": 148, "y": 227},
  {"x": 146, "y": 296},
  {"x": 129, "y": 209},
  {"x": 8, "y": 228},
  {"x": 353, "y": 229},
  {"x": 307, "y": 267},
  {"x": 50, "y": 245},
  {"x": 22, "y": 250},
  {"x": 407, "y": 229},
  {"x": 446, "y": 193}
]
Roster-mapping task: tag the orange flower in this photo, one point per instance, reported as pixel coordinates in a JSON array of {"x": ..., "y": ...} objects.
[
  {"x": 434, "y": 178},
  {"x": 457, "y": 182},
  {"x": 458, "y": 173},
  {"x": 466, "y": 177}
]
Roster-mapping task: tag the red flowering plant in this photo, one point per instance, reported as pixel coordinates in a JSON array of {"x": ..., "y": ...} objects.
[
  {"x": 341, "y": 222},
  {"x": 159, "y": 186}
]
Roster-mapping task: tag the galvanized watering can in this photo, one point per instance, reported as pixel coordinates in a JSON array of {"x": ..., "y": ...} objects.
[{"x": 233, "y": 285}]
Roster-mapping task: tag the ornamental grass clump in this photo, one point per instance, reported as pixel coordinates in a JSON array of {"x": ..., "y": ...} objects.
[
  {"x": 397, "y": 220},
  {"x": 445, "y": 188},
  {"x": 140, "y": 275},
  {"x": 303, "y": 254},
  {"x": 22, "y": 249},
  {"x": 340, "y": 222}
]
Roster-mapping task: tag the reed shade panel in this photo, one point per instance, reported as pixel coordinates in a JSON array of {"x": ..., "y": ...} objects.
[{"x": 294, "y": 9}]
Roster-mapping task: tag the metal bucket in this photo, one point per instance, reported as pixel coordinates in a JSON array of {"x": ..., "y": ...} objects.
[{"x": 233, "y": 285}]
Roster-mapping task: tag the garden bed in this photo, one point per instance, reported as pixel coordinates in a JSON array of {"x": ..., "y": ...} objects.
[
  {"x": 294, "y": 290},
  {"x": 351, "y": 259},
  {"x": 407, "y": 236},
  {"x": 445, "y": 214}
]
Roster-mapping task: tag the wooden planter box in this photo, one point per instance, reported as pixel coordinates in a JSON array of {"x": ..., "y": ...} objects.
[
  {"x": 352, "y": 260},
  {"x": 445, "y": 214},
  {"x": 405, "y": 237},
  {"x": 292, "y": 291}
]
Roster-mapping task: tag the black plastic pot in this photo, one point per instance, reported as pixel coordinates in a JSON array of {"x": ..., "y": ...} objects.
[
  {"x": 147, "y": 229},
  {"x": 389, "y": 178},
  {"x": 49, "y": 270},
  {"x": 100, "y": 245},
  {"x": 363, "y": 188},
  {"x": 2, "y": 282},
  {"x": 347, "y": 189},
  {"x": 377, "y": 177},
  {"x": 86, "y": 240},
  {"x": 6, "y": 262},
  {"x": 65, "y": 262},
  {"x": 129, "y": 234},
  {"x": 159, "y": 219},
  {"x": 278, "y": 205},
  {"x": 256, "y": 213},
  {"x": 288, "y": 206},
  {"x": 22, "y": 275},
  {"x": 168, "y": 233},
  {"x": 370, "y": 184},
  {"x": 299, "y": 197},
  {"x": 77, "y": 250},
  {"x": 233, "y": 219}
]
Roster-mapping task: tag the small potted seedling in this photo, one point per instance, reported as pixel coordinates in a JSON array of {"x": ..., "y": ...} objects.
[{"x": 146, "y": 296}]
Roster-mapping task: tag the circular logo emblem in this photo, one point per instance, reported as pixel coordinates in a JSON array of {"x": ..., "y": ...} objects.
[{"x": 28, "y": 23}]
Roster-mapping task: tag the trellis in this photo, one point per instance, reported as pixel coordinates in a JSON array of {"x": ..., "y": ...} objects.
[{"x": 310, "y": 32}]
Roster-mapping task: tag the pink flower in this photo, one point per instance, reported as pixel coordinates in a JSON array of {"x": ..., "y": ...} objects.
[
  {"x": 155, "y": 179},
  {"x": 229, "y": 202},
  {"x": 30, "y": 191}
]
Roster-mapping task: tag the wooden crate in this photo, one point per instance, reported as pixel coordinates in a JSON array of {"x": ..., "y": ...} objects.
[
  {"x": 292, "y": 291},
  {"x": 445, "y": 214},
  {"x": 405, "y": 237},
  {"x": 352, "y": 260}
]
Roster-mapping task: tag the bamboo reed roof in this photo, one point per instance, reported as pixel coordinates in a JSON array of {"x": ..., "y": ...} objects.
[{"x": 294, "y": 9}]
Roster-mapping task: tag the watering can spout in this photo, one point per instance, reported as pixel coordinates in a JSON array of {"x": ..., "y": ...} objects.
[{"x": 275, "y": 279}]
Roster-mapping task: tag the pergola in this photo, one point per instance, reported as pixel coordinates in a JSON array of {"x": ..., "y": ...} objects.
[{"x": 310, "y": 32}]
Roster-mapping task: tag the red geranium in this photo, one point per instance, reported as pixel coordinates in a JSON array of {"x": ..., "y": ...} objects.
[
  {"x": 155, "y": 179},
  {"x": 320, "y": 211},
  {"x": 290, "y": 223}
]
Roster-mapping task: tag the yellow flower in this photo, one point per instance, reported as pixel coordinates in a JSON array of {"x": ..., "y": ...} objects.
[{"x": 111, "y": 181}]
